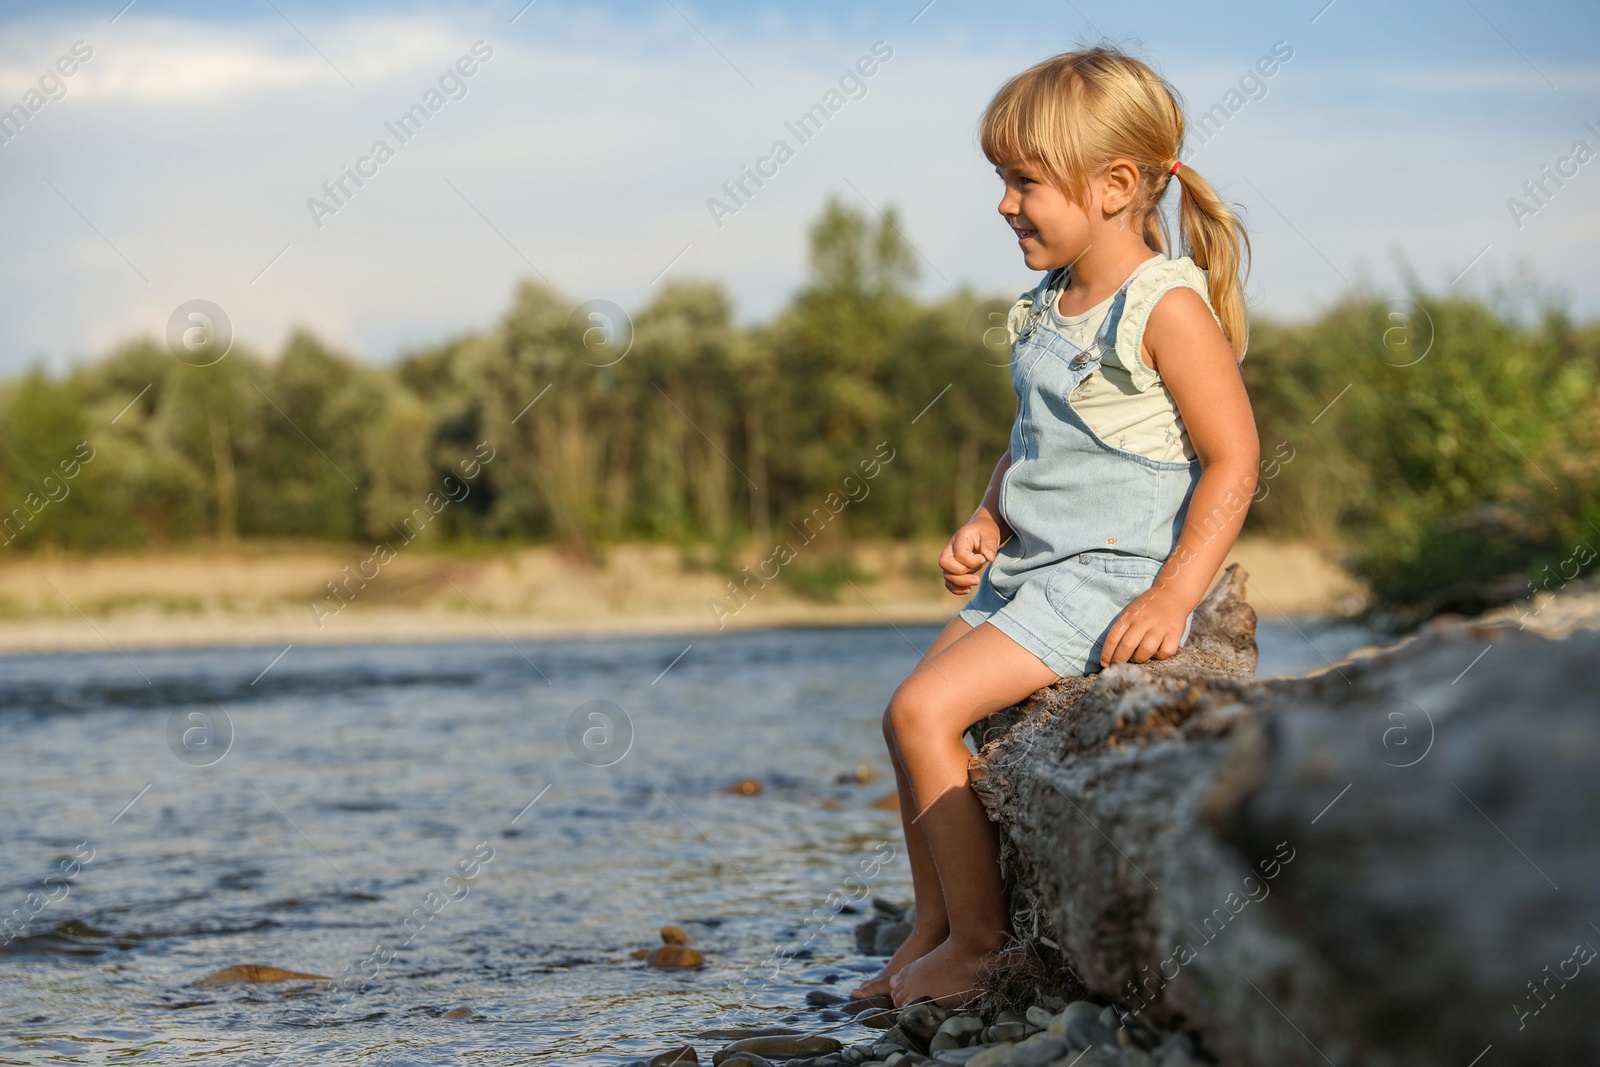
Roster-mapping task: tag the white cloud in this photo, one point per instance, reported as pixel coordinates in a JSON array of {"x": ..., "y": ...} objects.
[{"x": 591, "y": 146}]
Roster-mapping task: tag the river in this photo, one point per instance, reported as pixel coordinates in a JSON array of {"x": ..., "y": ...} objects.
[{"x": 417, "y": 821}]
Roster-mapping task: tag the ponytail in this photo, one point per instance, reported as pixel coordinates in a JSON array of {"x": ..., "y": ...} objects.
[{"x": 1217, "y": 242}]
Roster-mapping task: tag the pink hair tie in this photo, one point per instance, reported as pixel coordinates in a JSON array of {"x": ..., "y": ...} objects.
[{"x": 1174, "y": 168}]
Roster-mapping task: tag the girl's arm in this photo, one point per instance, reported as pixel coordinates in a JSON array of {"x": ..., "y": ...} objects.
[
  {"x": 976, "y": 543},
  {"x": 1198, "y": 366}
]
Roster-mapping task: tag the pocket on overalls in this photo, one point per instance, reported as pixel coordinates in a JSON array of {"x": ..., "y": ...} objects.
[{"x": 1091, "y": 589}]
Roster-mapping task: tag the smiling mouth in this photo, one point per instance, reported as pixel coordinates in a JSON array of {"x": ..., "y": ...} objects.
[{"x": 1024, "y": 234}]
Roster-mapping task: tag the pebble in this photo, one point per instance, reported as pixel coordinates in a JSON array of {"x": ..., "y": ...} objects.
[
  {"x": 256, "y": 974},
  {"x": 457, "y": 1013},
  {"x": 682, "y": 1056},
  {"x": 746, "y": 1059},
  {"x": 920, "y": 1021},
  {"x": 956, "y": 1032},
  {"x": 1038, "y": 1016},
  {"x": 997, "y": 1055},
  {"x": 679, "y": 956},
  {"x": 1040, "y": 1050},
  {"x": 821, "y": 998},
  {"x": 1005, "y": 1031},
  {"x": 674, "y": 935},
  {"x": 745, "y": 787},
  {"x": 787, "y": 1047}
]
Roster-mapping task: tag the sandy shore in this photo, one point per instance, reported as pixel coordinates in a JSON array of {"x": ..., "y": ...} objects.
[{"x": 280, "y": 595}]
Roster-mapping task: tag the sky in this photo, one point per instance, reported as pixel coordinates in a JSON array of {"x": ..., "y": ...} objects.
[{"x": 184, "y": 156}]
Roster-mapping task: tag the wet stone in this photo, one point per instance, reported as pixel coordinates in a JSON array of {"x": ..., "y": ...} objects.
[
  {"x": 958, "y": 1031},
  {"x": 920, "y": 1021},
  {"x": 856, "y": 1007},
  {"x": 675, "y": 956},
  {"x": 786, "y": 1047},
  {"x": 1040, "y": 1050},
  {"x": 997, "y": 1055},
  {"x": 1005, "y": 1031},
  {"x": 682, "y": 1056}
]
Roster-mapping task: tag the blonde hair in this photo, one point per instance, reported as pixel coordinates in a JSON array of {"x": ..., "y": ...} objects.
[{"x": 1076, "y": 112}]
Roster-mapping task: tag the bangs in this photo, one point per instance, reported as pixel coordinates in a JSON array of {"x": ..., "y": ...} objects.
[{"x": 1031, "y": 121}]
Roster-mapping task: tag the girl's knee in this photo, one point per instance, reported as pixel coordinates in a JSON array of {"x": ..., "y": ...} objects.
[{"x": 911, "y": 713}]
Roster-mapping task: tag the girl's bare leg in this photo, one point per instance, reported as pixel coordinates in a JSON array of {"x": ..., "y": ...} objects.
[
  {"x": 929, "y": 927},
  {"x": 980, "y": 672}
]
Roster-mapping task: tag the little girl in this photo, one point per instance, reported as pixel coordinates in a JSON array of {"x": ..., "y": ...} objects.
[{"x": 1133, "y": 458}]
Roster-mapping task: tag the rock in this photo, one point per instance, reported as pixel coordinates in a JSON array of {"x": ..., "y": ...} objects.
[
  {"x": 679, "y": 956},
  {"x": 1369, "y": 844},
  {"x": 786, "y": 1047},
  {"x": 457, "y": 1013},
  {"x": 1085, "y": 1033},
  {"x": 1040, "y": 1050},
  {"x": 888, "y": 802},
  {"x": 920, "y": 1021},
  {"x": 257, "y": 974},
  {"x": 681, "y": 1056},
  {"x": 745, "y": 1059},
  {"x": 739, "y": 1033},
  {"x": 640, "y": 953},
  {"x": 1038, "y": 1016},
  {"x": 1136, "y": 1057},
  {"x": 957, "y": 1056},
  {"x": 856, "y": 1007},
  {"x": 958, "y": 1031},
  {"x": 744, "y": 787},
  {"x": 821, "y": 998},
  {"x": 1006, "y": 1031},
  {"x": 997, "y": 1055},
  {"x": 1079, "y": 1009},
  {"x": 674, "y": 935},
  {"x": 888, "y": 937},
  {"x": 893, "y": 1040},
  {"x": 1138, "y": 1034},
  {"x": 863, "y": 774}
]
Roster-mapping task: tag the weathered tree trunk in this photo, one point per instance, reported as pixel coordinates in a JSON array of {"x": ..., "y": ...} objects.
[{"x": 1359, "y": 866}]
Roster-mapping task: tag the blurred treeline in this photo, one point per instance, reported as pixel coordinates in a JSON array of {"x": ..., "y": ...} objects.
[{"x": 1451, "y": 482}]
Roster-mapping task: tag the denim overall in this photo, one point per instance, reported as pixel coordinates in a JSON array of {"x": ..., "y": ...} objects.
[{"x": 1092, "y": 523}]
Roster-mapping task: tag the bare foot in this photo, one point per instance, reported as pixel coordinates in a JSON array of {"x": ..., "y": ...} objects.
[
  {"x": 917, "y": 945},
  {"x": 952, "y": 975}
]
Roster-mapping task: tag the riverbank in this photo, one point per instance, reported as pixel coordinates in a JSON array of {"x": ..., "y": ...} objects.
[{"x": 265, "y": 594}]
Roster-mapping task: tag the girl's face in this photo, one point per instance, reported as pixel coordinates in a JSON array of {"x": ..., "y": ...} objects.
[{"x": 1052, "y": 230}]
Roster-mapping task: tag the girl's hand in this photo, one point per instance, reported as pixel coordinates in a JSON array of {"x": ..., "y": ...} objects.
[
  {"x": 1149, "y": 628},
  {"x": 971, "y": 549}
]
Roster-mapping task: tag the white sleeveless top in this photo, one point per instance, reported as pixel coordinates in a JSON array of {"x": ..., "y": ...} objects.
[{"x": 1125, "y": 402}]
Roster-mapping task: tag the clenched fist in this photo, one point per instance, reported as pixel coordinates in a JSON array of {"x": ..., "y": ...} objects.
[{"x": 972, "y": 548}]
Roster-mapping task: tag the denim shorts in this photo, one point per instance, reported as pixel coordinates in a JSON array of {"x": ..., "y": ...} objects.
[{"x": 1062, "y": 613}]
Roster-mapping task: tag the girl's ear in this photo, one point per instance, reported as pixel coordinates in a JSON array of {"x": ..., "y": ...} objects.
[{"x": 1119, "y": 186}]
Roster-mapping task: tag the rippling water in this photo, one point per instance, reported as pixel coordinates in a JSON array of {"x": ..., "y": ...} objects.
[{"x": 361, "y": 785}]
